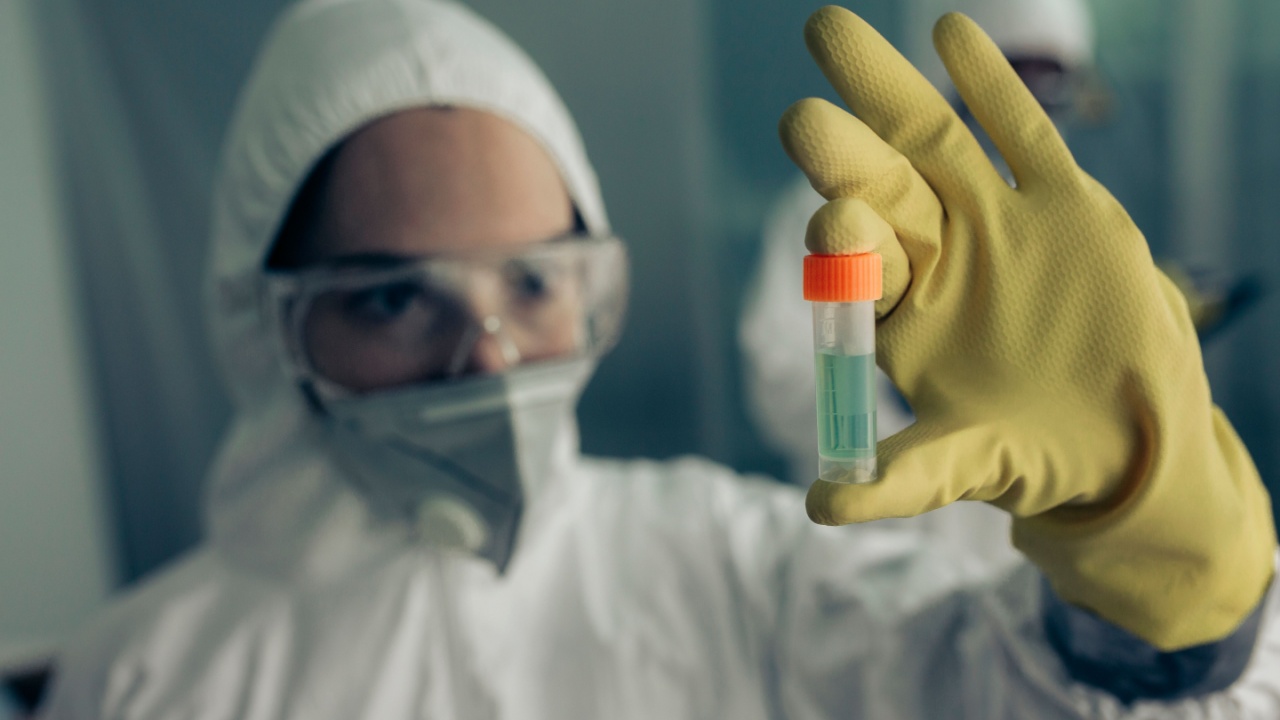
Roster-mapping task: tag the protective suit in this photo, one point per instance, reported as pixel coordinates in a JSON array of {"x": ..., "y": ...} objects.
[{"x": 635, "y": 589}]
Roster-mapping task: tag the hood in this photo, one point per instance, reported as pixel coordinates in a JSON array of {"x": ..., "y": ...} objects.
[{"x": 327, "y": 68}]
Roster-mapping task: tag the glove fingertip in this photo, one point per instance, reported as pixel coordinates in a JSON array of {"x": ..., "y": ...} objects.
[
  {"x": 833, "y": 34},
  {"x": 847, "y": 226},
  {"x": 820, "y": 506},
  {"x": 800, "y": 113},
  {"x": 820, "y": 23},
  {"x": 953, "y": 26},
  {"x": 829, "y": 503},
  {"x": 956, "y": 34},
  {"x": 799, "y": 123}
]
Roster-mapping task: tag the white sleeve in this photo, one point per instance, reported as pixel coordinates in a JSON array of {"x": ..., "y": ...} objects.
[{"x": 874, "y": 621}]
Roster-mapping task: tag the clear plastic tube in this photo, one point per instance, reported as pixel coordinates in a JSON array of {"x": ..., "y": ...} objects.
[{"x": 844, "y": 343}]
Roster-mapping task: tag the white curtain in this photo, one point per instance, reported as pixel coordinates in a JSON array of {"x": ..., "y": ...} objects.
[
  {"x": 56, "y": 556},
  {"x": 141, "y": 92}
]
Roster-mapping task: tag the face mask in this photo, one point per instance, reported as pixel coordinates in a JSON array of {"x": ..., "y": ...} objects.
[{"x": 458, "y": 461}]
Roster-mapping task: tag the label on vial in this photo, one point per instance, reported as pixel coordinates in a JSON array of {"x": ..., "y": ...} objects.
[
  {"x": 828, "y": 331},
  {"x": 846, "y": 405}
]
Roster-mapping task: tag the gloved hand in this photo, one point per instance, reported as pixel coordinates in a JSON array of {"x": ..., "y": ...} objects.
[{"x": 1054, "y": 371}]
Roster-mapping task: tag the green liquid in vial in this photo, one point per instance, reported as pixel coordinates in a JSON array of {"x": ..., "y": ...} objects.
[{"x": 846, "y": 406}]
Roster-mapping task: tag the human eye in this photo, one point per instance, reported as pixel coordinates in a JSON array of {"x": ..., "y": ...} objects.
[
  {"x": 383, "y": 303},
  {"x": 533, "y": 282}
]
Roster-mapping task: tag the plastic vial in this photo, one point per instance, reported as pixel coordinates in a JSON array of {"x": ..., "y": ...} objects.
[{"x": 843, "y": 289}]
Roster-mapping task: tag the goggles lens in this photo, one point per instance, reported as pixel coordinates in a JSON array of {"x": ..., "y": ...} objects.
[{"x": 368, "y": 328}]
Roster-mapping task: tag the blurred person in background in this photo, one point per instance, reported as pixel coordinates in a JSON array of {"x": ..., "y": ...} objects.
[{"x": 412, "y": 276}]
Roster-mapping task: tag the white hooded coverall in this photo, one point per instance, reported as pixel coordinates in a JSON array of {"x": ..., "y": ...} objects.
[{"x": 637, "y": 589}]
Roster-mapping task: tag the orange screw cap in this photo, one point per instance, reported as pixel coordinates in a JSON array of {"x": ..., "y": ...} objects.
[{"x": 843, "y": 278}]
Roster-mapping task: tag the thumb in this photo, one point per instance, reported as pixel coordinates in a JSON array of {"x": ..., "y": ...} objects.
[
  {"x": 846, "y": 226},
  {"x": 922, "y": 468}
]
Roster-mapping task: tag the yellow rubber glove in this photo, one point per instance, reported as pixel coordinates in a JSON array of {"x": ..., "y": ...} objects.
[{"x": 1054, "y": 371}]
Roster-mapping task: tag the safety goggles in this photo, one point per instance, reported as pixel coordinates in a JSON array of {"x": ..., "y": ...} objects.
[{"x": 376, "y": 324}]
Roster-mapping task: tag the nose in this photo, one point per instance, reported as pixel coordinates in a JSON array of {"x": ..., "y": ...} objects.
[{"x": 493, "y": 351}]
